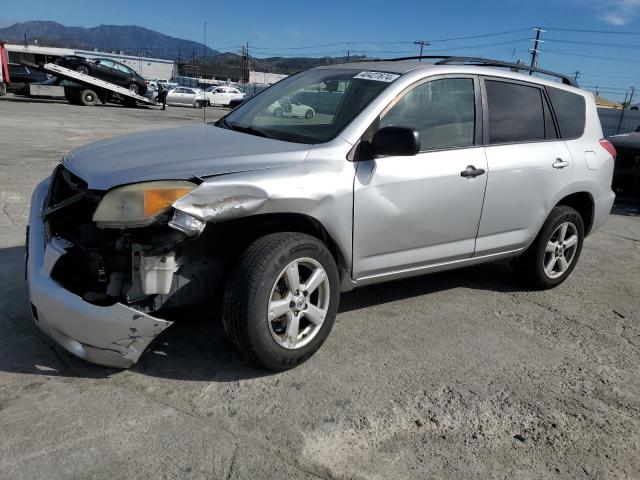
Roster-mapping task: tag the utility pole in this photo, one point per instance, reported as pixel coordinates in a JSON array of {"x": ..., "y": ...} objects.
[
  {"x": 422, "y": 43},
  {"x": 242, "y": 56},
  {"x": 534, "y": 50},
  {"x": 204, "y": 71},
  {"x": 576, "y": 75},
  {"x": 624, "y": 105},
  {"x": 633, "y": 92},
  {"x": 348, "y": 55},
  {"x": 247, "y": 65}
]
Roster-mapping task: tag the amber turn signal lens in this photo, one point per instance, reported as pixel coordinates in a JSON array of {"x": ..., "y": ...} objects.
[{"x": 157, "y": 200}]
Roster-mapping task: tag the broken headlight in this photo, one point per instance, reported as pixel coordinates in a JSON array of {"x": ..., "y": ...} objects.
[{"x": 139, "y": 204}]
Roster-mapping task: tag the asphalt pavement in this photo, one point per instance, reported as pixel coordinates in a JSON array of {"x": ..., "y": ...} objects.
[{"x": 462, "y": 374}]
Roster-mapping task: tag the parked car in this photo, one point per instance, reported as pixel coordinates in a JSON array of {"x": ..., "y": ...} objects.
[
  {"x": 186, "y": 97},
  {"x": 21, "y": 75},
  {"x": 235, "y": 102},
  {"x": 222, "y": 95},
  {"x": 107, "y": 70},
  {"x": 291, "y": 107},
  {"x": 418, "y": 168},
  {"x": 626, "y": 176}
]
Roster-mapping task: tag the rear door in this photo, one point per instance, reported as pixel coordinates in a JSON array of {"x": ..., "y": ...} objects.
[{"x": 528, "y": 164}]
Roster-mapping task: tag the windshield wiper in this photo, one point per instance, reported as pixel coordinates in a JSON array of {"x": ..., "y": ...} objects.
[{"x": 246, "y": 129}]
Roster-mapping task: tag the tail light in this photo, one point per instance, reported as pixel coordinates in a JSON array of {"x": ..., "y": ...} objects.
[{"x": 608, "y": 146}]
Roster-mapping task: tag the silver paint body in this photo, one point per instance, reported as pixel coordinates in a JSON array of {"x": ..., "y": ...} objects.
[{"x": 390, "y": 218}]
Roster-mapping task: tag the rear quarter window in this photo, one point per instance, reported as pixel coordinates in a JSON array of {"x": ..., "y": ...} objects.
[{"x": 570, "y": 110}]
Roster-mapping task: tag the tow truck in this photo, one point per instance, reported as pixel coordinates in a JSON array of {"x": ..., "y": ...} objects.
[
  {"x": 82, "y": 89},
  {"x": 4, "y": 70}
]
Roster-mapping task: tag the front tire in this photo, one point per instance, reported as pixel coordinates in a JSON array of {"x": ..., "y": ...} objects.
[
  {"x": 281, "y": 300},
  {"x": 83, "y": 69},
  {"x": 555, "y": 251}
]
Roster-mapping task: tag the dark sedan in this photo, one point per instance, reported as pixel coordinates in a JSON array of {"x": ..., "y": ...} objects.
[
  {"x": 107, "y": 70},
  {"x": 626, "y": 176},
  {"x": 235, "y": 102},
  {"x": 21, "y": 75}
]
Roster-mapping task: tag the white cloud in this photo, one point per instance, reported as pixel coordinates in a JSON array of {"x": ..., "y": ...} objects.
[{"x": 619, "y": 12}]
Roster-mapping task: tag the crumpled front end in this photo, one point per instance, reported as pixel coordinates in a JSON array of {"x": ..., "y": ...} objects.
[
  {"x": 101, "y": 293},
  {"x": 112, "y": 335}
]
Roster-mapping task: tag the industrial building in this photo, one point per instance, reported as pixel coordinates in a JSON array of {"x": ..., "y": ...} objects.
[{"x": 151, "y": 68}]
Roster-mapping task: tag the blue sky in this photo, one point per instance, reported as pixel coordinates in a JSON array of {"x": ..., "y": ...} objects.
[{"x": 385, "y": 28}]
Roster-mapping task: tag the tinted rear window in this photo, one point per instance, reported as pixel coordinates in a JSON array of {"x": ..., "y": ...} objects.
[
  {"x": 516, "y": 112},
  {"x": 570, "y": 112}
]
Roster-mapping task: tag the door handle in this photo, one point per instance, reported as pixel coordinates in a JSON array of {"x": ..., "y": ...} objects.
[
  {"x": 471, "y": 172},
  {"x": 559, "y": 163}
]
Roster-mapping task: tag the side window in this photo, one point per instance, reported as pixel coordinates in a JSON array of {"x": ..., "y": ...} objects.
[
  {"x": 517, "y": 113},
  {"x": 570, "y": 110},
  {"x": 442, "y": 111},
  {"x": 106, "y": 63},
  {"x": 122, "y": 68}
]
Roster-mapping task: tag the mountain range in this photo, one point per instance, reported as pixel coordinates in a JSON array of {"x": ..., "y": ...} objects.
[
  {"x": 129, "y": 39},
  {"x": 136, "y": 40}
]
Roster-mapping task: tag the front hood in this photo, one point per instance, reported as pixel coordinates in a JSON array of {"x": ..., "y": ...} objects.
[{"x": 178, "y": 153}]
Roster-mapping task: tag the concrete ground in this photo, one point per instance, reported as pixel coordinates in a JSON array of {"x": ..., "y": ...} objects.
[{"x": 455, "y": 375}]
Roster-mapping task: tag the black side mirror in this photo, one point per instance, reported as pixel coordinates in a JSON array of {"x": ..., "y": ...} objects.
[{"x": 397, "y": 141}]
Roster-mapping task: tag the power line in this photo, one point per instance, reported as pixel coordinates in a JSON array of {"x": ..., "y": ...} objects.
[
  {"x": 598, "y": 44},
  {"x": 600, "y": 57},
  {"x": 343, "y": 43},
  {"x": 581, "y": 30}
]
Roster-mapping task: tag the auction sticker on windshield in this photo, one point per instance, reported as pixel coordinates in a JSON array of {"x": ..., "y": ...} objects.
[{"x": 378, "y": 76}]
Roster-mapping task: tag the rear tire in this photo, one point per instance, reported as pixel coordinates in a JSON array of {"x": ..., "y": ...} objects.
[
  {"x": 554, "y": 253},
  {"x": 134, "y": 87},
  {"x": 88, "y": 98},
  {"x": 274, "y": 321}
]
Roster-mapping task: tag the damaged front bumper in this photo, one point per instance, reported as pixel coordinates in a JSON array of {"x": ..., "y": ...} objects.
[{"x": 114, "y": 336}]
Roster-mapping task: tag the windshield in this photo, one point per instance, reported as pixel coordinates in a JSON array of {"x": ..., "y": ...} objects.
[{"x": 309, "y": 107}]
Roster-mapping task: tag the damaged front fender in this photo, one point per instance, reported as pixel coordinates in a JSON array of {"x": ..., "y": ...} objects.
[{"x": 219, "y": 202}]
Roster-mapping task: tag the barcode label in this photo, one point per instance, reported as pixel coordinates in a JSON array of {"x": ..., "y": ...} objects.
[{"x": 377, "y": 76}]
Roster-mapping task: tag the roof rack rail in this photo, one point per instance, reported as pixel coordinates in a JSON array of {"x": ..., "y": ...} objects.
[{"x": 486, "y": 62}]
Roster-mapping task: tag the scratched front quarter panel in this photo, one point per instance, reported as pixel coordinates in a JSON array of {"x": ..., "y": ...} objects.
[{"x": 320, "y": 186}]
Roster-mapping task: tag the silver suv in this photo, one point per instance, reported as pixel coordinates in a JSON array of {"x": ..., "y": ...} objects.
[{"x": 405, "y": 168}]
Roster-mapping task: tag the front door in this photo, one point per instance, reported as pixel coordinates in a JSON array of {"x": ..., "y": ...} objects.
[{"x": 412, "y": 212}]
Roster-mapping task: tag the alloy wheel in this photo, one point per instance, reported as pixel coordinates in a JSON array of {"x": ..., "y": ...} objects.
[
  {"x": 299, "y": 303},
  {"x": 560, "y": 250}
]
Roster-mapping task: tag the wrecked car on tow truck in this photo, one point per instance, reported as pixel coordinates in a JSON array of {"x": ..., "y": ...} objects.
[{"x": 272, "y": 217}]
